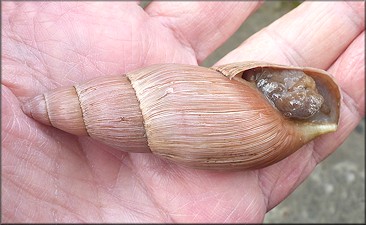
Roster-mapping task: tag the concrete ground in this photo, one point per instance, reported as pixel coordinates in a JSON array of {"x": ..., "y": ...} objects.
[{"x": 335, "y": 191}]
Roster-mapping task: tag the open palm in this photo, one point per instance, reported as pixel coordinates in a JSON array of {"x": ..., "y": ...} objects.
[{"x": 51, "y": 176}]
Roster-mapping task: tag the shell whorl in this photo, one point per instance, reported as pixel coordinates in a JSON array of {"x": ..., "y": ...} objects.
[
  {"x": 198, "y": 126},
  {"x": 105, "y": 109}
]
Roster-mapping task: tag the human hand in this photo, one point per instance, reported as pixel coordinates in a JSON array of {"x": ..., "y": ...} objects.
[{"x": 51, "y": 176}]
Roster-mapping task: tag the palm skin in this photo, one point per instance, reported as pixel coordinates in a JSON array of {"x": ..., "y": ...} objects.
[{"x": 51, "y": 176}]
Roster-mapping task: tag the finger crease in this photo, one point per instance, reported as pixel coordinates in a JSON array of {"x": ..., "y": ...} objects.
[
  {"x": 295, "y": 57},
  {"x": 179, "y": 36}
]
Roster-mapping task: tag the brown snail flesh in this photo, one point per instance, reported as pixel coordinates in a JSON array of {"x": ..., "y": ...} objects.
[{"x": 242, "y": 115}]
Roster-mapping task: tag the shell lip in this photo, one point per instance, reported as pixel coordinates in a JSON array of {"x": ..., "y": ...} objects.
[{"x": 326, "y": 84}]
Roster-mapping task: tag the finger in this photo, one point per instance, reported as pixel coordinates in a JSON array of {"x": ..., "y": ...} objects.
[
  {"x": 202, "y": 26},
  {"x": 349, "y": 69},
  {"x": 313, "y": 34}
]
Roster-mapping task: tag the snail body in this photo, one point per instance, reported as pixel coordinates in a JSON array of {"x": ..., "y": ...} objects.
[{"x": 234, "y": 116}]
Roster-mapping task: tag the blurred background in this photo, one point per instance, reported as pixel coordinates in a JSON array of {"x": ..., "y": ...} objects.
[{"x": 335, "y": 191}]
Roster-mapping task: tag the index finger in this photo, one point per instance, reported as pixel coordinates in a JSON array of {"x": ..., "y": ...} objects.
[
  {"x": 202, "y": 26},
  {"x": 313, "y": 34}
]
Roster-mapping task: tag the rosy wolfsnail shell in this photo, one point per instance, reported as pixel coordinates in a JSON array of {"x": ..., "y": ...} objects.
[{"x": 237, "y": 116}]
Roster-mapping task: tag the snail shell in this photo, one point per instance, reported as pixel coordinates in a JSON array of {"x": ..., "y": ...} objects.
[{"x": 243, "y": 115}]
